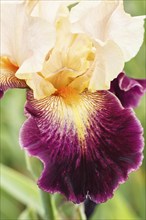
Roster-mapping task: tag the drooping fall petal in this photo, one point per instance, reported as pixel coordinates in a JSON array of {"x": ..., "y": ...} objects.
[
  {"x": 88, "y": 143},
  {"x": 128, "y": 90}
]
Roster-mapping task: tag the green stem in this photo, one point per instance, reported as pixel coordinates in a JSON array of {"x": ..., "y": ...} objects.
[
  {"x": 81, "y": 212},
  {"x": 50, "y": 212},
  {"x": 33, "y": 214},
  {"x": 48, "y": 203}
]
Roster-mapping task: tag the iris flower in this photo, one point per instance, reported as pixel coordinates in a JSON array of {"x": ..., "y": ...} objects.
[{"x": 80, "y": 122}]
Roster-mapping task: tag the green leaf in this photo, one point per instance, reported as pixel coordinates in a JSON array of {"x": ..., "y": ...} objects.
[
  {"x": 24, "y": 215},
  {"x": 21, "y": 187},
  {"x": 14, "y": 206},
  {"x": 28, "y": 214},
  {"x": 116, "y": 208}
]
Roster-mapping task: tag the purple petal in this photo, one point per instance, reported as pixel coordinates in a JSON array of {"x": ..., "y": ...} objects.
[
  {"x": 7, "y": 76},
  {"x": 128, "y": 90},
  {"x": 1, "y": 94},
  {"x": 88, "y": 144}
]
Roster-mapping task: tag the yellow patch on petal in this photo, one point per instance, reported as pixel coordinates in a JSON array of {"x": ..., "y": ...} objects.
[
  {"x": 5, "y": 63},
  {"x": 73, "y": 103},
  {"x": 70, "y": 95},
  {"x": 7, "y": 75}
]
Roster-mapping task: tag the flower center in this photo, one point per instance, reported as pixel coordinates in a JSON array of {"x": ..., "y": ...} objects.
[
  {"x": 68, "y": 60},
  {"x": 69, "y": 95}
]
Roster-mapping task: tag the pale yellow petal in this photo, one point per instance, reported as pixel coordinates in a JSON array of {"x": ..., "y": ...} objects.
[
  {"x": 63, "y": 78},
  {"x": 30, "y": 4},
  {"x": 41, "y": 87},
  {"x": 53, "y": 65},
  {"x": 57, "y": 58},
  {"x": 78, "y": 53},
  {"x": 72, "y": 53},
  {"x": 80, "y": 83}
]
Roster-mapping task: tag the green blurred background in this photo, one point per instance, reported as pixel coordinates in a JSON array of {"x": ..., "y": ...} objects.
[{"x": 129, "y": 200}]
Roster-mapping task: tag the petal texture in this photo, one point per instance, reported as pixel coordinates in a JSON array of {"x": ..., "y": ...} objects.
[
  {"x": 7, "y": 76},
  {"x": 51, "y": 10},
  {"x": 122, "y": 27},
  {"x": 105, "y": 69},
  {"x": 128, "y": 90},
  {"x": 107, "y": 20},
  {"x": 24, "y": 38},
  {"x": 88, "y": 143}
]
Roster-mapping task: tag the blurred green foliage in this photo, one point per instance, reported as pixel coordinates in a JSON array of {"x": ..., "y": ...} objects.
[{"x": 128, "y": 202}]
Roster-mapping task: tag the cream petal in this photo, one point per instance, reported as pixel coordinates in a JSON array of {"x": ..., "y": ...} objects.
[
  {"x": 51, "y": 10},
  {"x": 30, "y": 5},
  {"x": 91, "y": 17},
  {"x": 126, "y": 31},
  {"x": 107, "y": 20},
  {"x": 109, "y": 62},
  {"x": 41, "y": 38},
  {"x": 12, "y": 20},
  {"x": 78, "y": 12},
  {"x": 24, "y": 38}
]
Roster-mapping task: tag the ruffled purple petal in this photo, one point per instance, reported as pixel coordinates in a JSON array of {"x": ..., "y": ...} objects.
[
  {"x": 129, "y": 91},
  {"x": 88, "y": 146},
  {"x": 7, "y": 76}
]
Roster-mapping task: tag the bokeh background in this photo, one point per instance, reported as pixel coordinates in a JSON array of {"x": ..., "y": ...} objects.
[{"x": 19, "y": 194}]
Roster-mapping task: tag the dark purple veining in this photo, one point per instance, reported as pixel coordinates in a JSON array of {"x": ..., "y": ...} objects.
[{"x": 95, "y": 166}]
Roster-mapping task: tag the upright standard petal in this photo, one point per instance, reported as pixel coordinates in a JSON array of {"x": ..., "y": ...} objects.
[
  {"x": 29, "y": 4},
  {"x": 105, "y": 70},
  {"x": 107, "y": 20},
  {"x": 91, "y": 17},
  {"x": 128, "y": 90},
  {"x": 122, "y": 27},
  {"x": 24, "y": 38},
  {"x": 51, "y": 10},
  {"x": 88, "y": 143}
]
